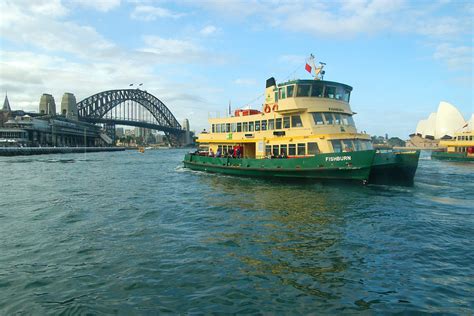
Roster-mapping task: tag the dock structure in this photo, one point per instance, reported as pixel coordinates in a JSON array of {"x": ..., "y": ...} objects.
[{"x": 27, "y": 151}]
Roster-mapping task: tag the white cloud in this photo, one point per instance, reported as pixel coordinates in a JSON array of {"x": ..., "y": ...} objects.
[
  {"x": 245, "y": 82},
  {"x": 456, "y": 57},
  {"x": 151, "y": 13},
  {"x": 99, "y": 5},
  {"x": 208, "y": 30}
]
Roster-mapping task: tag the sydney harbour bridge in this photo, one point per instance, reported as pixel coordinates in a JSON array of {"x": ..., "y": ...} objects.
[{"x": 131, "y": 107}]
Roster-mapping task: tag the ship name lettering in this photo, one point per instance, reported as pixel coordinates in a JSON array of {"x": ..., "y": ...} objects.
[{"x": 339, "y": 158}]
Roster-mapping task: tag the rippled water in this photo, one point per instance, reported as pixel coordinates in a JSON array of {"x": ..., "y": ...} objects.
[{"x": 134, "y": 233}]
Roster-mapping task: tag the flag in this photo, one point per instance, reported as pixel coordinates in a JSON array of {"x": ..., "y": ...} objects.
[
  {"x": 229, "y": 108},
  {"x": 308, "y": 68},
  {"x": 130, "y": 85},
  {"x": 141, "y": 84},
  {"x": 465, "y": 125}
]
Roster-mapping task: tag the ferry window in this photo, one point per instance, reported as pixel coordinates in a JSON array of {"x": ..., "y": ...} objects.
[
  {"x": 268, "y": 150},
  {"x": 233, "y": 127},
  {"x": 264, "y": 125},
  {"x": 318, "y": 118},
  {"x": 301, "y": 149},
  {"x": 313, "y": 148},
  {"x": 219, "y": 148},
  {"x": 358, "y": 145},
  {"x": 329, "y": 118},
  {"x": 271, "y": 124},
  {"x": 330, "y": 92},
  {"x": 351, "y": 120},
  {"x": 336, "y": 146},
  {"x": 276, "y": 96},
  {"x": 276, "y": 150},
  {"x": 348, "y": 146},
  {"x": 339, "y": 93},
  {"x": 245, "y": 127},
  {"x": 337, "y": 118},
  {"x": 257, "y": 126},
  {"x": 470, "y": 137},
  {"x": 296, "y": 121},
  {"x": 282, "y": 93},
  {"x": 347, "y": 95},
  {"x": 223, "y": 128},
  {"x": 250, "y": 126},
  {"x": 302, "y": 90},
  {"x": 278, "y": 123},
  {"x": 284, "y": 149},
  {"x": 289, "y": 91},
  {"x": 317, "y": 90},
  {"x": 239, "y": 127},
  {"x": 227, "y": 128},
  {"x": 218, "y": 130},
  {"x": 213, "y": 128},
  {"x": 286, "y": 122},
  {"x": 292, "y": 150}
]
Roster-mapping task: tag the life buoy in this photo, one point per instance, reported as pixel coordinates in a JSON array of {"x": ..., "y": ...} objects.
[
  {"x": 267, "y": 108},
  {"x": 275, "y": 107}
]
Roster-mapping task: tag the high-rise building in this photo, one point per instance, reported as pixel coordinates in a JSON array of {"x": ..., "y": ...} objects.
[
  {"x": 47, "y": 105},
  {"x": 187, "y": 135},
  {"x": 119, "y": 132},
  {"x": 69, "y": 106}
]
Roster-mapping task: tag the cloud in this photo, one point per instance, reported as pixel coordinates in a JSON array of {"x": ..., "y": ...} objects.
[
  {"x": 151, "y": 13},
  {"x": 245, "y": 82},
  {"x": 99, "y": 5},
  {"x": 456, "y": 57},
  {"x": 208, "y": 30}
]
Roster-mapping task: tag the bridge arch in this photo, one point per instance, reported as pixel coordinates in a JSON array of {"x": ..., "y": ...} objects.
[{"x": 94, "y": 109}]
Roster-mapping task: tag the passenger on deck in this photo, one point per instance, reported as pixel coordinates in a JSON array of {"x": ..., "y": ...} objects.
[
  {"x": 218, "y": 153},
  {"x": 230, "y": 152},
  {"x": 211, "y": 153},
  {"x": 282, "y": 154}
]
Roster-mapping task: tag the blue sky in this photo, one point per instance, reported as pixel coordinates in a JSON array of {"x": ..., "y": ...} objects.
[{"x": 401, "y": 57}]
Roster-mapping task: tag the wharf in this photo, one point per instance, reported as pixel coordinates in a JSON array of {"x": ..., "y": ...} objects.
[{"x": 26, "y": 151}]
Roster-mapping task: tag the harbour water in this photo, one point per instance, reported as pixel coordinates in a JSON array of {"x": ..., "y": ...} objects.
[{"x": 133, "y": 233}]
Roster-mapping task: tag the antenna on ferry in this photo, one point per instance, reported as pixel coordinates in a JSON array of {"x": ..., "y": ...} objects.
[{"x": 318, "y": 71}]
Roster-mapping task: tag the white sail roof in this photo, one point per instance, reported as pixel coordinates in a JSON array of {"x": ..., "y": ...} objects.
[{"x": 446, "y": 121}]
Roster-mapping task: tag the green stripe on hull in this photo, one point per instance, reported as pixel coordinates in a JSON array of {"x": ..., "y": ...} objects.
[
  {"x": 441, "y": 155},
  {"x": 348, "y": 166}
]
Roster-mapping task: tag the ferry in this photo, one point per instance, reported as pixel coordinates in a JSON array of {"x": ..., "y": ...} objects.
[
  {"x": 458, "y": 148},
  {"x": 304, "y": 130}
]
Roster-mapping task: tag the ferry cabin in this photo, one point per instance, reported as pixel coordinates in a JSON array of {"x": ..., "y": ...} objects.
[{"x": 299, "y": 118}]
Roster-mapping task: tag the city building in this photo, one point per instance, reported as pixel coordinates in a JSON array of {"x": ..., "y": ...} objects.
[{"x": 48, "y": 129}]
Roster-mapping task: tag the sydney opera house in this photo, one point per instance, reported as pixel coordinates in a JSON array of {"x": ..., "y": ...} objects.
[{"x": 441, "y": 124}]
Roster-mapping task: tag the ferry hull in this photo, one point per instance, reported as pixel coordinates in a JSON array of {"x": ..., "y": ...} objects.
[
  {"x": 343, "y": 166},
  {"x": 394, "y": 168},
  {"x": 456, "y": 156},
  {"x": 365, "y": 166}
]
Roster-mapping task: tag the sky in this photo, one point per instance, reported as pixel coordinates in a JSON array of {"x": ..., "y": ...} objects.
[{"x": 401, "y": 57}]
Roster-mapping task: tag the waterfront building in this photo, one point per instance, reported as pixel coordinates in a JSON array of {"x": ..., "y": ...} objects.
[
  {"x": 442, "y": 124},
  {"x": 17, "y": 128}
]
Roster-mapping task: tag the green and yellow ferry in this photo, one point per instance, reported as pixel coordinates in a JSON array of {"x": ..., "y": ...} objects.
[
  {"x": 304, "y": 130},
  {"x": 458, "y": 148}
]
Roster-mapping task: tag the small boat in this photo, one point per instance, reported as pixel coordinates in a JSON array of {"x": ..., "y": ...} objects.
[
  {"x": 304, "y": 130},
  {"x": 141, "y": 149},
  {"x": 458, "y": 148}
]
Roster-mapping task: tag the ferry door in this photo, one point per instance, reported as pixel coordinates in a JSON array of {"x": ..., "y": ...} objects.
[{"x": 249, "y": 150}]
